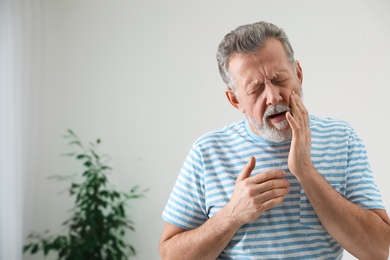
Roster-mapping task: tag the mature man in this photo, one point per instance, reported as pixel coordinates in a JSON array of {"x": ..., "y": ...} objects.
[{"x": 281, "y": 184}]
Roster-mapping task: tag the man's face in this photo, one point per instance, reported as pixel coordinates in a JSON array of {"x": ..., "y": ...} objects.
[{"x": 264, "y": 82}]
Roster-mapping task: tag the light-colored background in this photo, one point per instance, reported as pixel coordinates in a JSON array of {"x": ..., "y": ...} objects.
[{"x": 142, "y": 76}]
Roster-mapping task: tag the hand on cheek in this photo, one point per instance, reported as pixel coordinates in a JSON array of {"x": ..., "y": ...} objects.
[{"x": 299, "y": 157}]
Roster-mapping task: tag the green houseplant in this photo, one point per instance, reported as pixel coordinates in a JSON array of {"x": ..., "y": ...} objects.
[{"x": 98, "y": 223}]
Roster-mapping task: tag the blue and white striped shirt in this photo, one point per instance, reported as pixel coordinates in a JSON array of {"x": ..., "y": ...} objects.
[{"x": 292, "y": 229}]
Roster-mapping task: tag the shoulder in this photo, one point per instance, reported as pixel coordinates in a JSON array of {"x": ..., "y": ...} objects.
[
  {"x": 328, "y": 122},
  {"x": 224, "y": 134},
  {"x": 330, "y": 125}
]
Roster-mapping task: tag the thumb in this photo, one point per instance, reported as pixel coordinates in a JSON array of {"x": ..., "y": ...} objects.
[{"x": 248, "y": 168}]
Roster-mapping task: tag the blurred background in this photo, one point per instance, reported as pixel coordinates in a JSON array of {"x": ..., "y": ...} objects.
[{"x": 142, "y": 76}]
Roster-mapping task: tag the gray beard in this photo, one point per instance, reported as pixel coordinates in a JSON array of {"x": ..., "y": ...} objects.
[{"x": 279, "y": 132}]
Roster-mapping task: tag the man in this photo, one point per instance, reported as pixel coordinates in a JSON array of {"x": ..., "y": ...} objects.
[{"x": 281, "y": 184}]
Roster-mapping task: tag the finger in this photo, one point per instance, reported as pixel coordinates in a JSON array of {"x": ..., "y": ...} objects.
[
  {"x": 275, "y": 201},
  {"x": 295, "y": 118},
  {"x": 299, "y": 103},
  {"x": 295, "y": 111},
  {"x": 271, "y": 194},
  {"x": 268, "y": 175},
  {"x": 302, "y": 109},
  {"x": 246, "y": 172},
  {"x": 292, "y": 122},
  {"x": 272, "y": 185}
]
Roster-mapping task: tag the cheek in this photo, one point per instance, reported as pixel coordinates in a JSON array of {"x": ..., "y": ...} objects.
[
  {"x": 286, "y": 97},
  {"x": 298, "y": 87},
  {"x": 258, "y": 109},
  {"x": 300, "y": 93}
]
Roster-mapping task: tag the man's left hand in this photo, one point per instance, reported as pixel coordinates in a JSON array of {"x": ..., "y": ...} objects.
[{"x": 299, "y": 160}]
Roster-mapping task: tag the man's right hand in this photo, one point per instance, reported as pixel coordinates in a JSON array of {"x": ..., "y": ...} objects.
[{"x": 252, "y": 196}]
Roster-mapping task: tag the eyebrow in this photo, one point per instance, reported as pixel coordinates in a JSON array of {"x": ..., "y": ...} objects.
[
  {"x": 278, "y": 74},
  {"x": 253, "y": 82}
]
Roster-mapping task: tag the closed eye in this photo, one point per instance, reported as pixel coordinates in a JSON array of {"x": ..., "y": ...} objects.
[
  {"x": 255, "y": 88},
  {"x": 279, "y": 82}
]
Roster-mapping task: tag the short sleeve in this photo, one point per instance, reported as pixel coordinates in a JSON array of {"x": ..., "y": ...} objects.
[
  {"x": 361, "y": 187},
  {"x": 186, "y": 204}
]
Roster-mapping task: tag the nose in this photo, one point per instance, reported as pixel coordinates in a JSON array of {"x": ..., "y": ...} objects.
[{"x": 273, "y": 95}]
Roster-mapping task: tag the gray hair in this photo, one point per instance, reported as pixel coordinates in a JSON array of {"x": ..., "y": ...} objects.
[{"x": 247, "y": 39}]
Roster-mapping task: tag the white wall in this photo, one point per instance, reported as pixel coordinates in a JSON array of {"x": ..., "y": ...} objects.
[{"x": 142, "y": 76}]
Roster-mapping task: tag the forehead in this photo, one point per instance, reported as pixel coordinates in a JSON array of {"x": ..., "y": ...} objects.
[{"x": 270, "y": 59}]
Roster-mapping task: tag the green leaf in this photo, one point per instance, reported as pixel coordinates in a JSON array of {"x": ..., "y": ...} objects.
[
  {"x": 104, "y": 193},
  {"x": 121, "y": 211},
  {"x": 75, "y": 185},
  {"x": 81, "y": 156},
  {"x": 95, "y": 155},
  {"x": 134, "y": 189},
  {"x": 71, "y": 132},
  {"x": 88, "y": 164},
  {"x": 62, "y": 252},
  {"x": 132, "y": 249},
  {"x": 121, "y": 243},
  {"x": 105, "y": 167},
  {"x": 26, "y": 247},
  {"x": 46, "y": 247},
  {"x": 34, "y": 249},
  {"x": 68, "y": 154},
  {"x": 76, "y": 142}
]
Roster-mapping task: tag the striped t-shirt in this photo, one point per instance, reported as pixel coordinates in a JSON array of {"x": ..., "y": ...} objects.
[{"x": 290, "y": 230}]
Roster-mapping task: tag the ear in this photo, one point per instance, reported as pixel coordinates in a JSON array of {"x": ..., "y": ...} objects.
[
  {"x": 233, "y": 99},
  {"x": 299, "y": 71}
]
